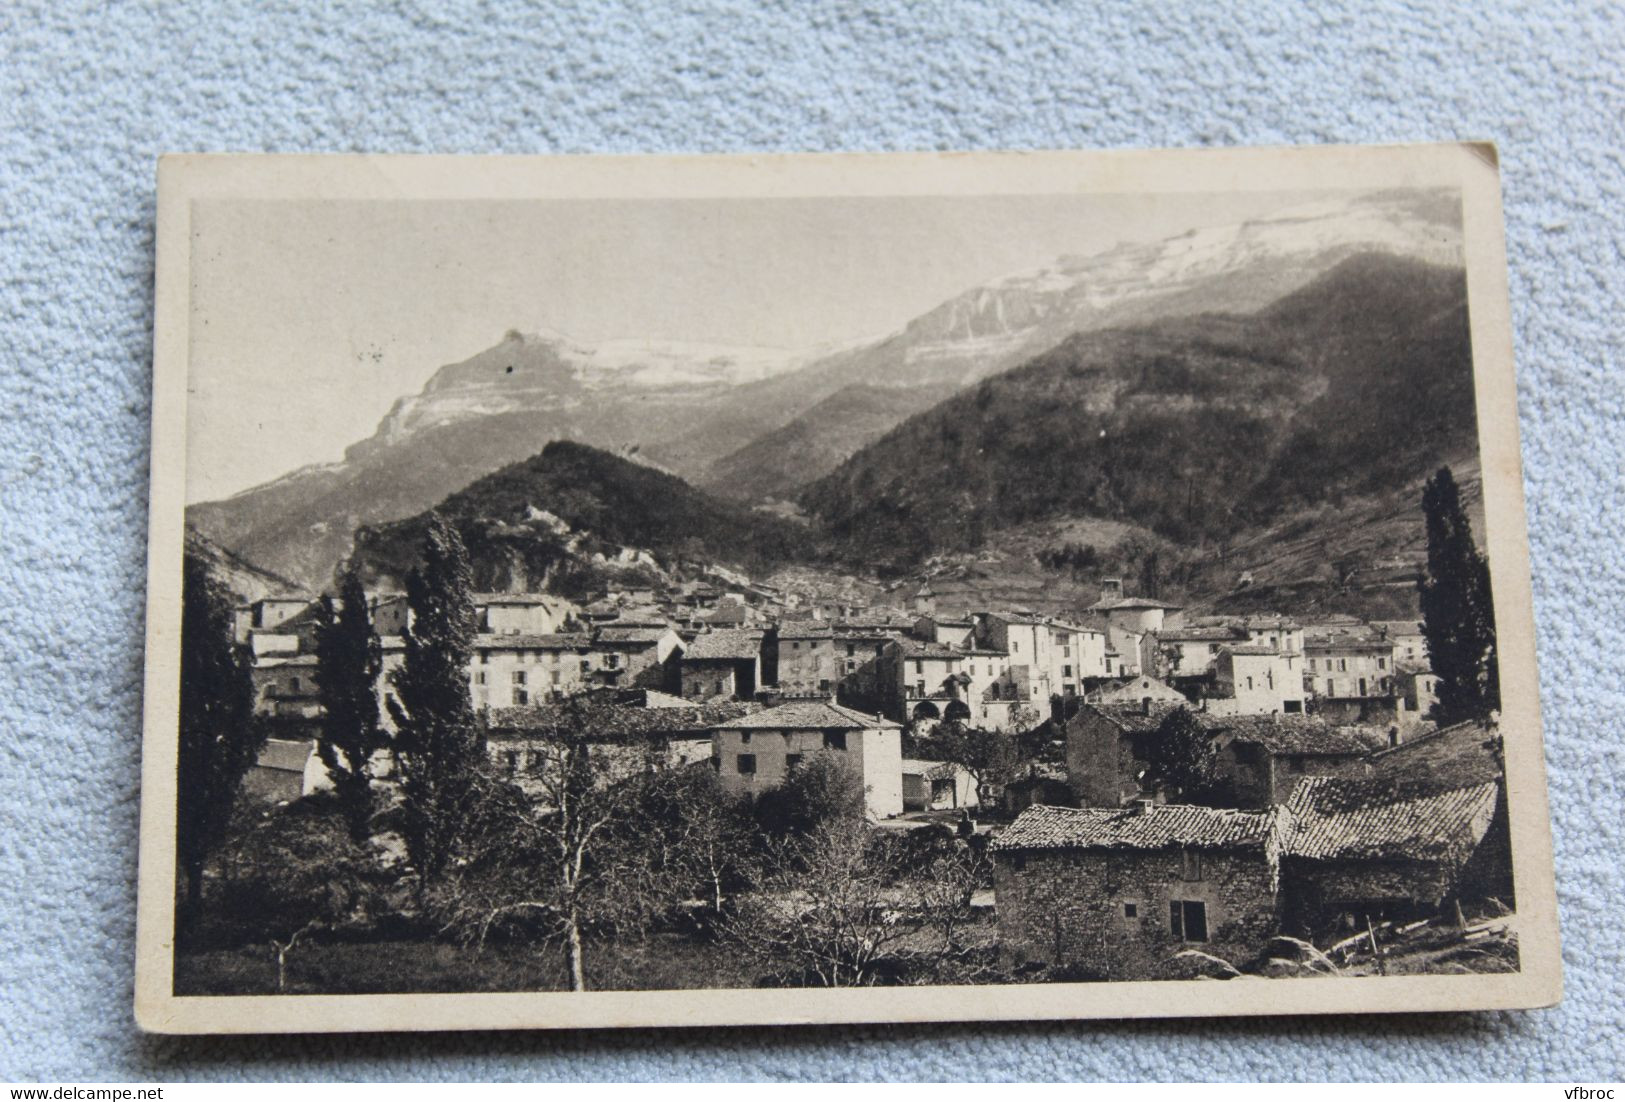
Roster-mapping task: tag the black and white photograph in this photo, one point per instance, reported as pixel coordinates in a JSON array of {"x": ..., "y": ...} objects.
[{"x": 730, "y": 590}]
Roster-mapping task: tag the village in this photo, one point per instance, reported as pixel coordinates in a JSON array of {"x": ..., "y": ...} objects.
[{"x": 1328, "y": 808}]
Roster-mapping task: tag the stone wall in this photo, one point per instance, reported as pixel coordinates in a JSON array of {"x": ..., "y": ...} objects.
[
  {"x": 1320, "y": 892},
  {"x": 1100, "y": 762},
  {"x": 1068, "y": 908}
]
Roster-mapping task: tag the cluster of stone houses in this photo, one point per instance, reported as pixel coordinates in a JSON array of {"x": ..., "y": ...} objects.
[
  {"x": 1325, "y": 828},
  {"x": 1333, "y": 796}
]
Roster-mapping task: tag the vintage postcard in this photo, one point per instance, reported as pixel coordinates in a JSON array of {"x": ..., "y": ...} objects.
[{"x": 614, "y": 591}]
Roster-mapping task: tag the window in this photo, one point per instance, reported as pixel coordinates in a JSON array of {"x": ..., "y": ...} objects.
[
  {"x": 520, "y": 698},
  {"x": 1066, "y": 671},
  {"x": 555, "y": 676},
  {"x": 823, "y": 684},
  {"x": 1131, "y": 910},
  {"x": 919, "y": 688},
  {"x": 293, "y": 684},
  {"x": 511, "y": 761},
  {"x": 919, "y": 666},
  {"x": 834, "y": 740},
  {"x": 744, "y": 738},
  {"x": 1249, "y": 683},
  {"x": 1190, "y": 864},
  {"x": 485, "y": 657},
  {"x": 1015, "y": 647},
  {"x": 746, "y": 764},
  {"x": 851, "y": 649},
  {"x": 479, "y": 677},
  {"x": 518, "y": 677},
  {"x": 1187, "y": 919},
  {"x": 791, "y": 761},
  {"x": 1342, "y": 665},
  {"x": 795, "y": 646},
  {"x": 1382, "y": 663}
]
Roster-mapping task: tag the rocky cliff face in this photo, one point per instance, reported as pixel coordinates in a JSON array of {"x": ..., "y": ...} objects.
[
  {"x": 1231, "y": 269},
  {"x": 715, "y": 415}
]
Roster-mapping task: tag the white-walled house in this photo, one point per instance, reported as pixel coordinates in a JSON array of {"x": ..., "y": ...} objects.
[{"x": 756, "y": 753}]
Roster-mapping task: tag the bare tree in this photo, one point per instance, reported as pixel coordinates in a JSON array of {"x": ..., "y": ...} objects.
[
  {"x": 944, "y": 887},
  {"x": 825, "y": 907},
  {"x": 548, "y": 849}
]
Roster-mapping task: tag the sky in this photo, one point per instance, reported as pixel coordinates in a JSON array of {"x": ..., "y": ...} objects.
[{"x": 310, "y": 318}]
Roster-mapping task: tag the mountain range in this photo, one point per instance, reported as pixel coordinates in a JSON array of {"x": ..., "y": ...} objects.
[{"x": 754, "y": 424}]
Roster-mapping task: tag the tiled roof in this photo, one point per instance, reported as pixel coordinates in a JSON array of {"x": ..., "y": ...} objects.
[
  {"x": 1279, "y": 734},
  {"x": 567, "y": 641},
  {"x": 1310, "y": 737},
  {"x": 1248, "y": 651},
  {"x": 1330, "y": 818},
  {"x": 724, "y": 646},
  {"x": 526, "y": 599},
  {"x": 1461, "y": 754},
  {"x": 1344, "y": 640},
  {"x": 920, "y": 648},
  {"x": 269, "y": 661},
  {"x": 804, "y": 629},
  {"x": 1201, "y": 633},
  {"x": 810, "y": 715},
  {"x": 612, "y": 721},
  {"x": 612, "y": 633},
  {"x": 1131, "y": 602},
  {"x": 284, "y": 754},
  {"x": 1162, "y": 827},
  {"x": 1136, "y": 720},
  {"x": 931, "y": 770}
]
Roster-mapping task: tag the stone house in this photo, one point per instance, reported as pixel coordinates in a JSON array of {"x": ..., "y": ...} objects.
[
  {"x": 286, "y": 769},
  {"x": 1132, "y": 626},
  {"x": 623, "y": 736},
  {"x": 1410, "y": 644},
  {"x": 755, "y": 753},
  {"x": 285, "y": 686},
  {"x": 1137, "y": 690},
  {"x": 1059, "y": 655},
  {"x": 807, "y": 665},
  {"x": 921, "y": 682},
  {"x": 636, "y": 657},
  {"x": 936, "y": 786},
  {"x": 1190, "y": 651},
  {"x": 1266, "y": 759},
  {"x": 722, "y": 665},
  {"x": 1419, "y": 689},
  {"x": 1349, "y": 667},
  {"x": 520, "y": 670},
  {"x": 1254, "y": 679},
  {"x": 1115, "y": 893},
  {"x": 522, "y": 613},
  {"x": 952, "y": 631},
  {"x": 1378, "y": 849},
  {"x": 1261, "y": 757}
]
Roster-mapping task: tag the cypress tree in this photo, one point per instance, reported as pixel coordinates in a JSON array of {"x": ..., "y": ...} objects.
[
  {"x": 220, "y": 738},
  {"x": 348, "y": 661},
  {"x": 1458, "y": 613},
  {"x": 438, "y": 747}
]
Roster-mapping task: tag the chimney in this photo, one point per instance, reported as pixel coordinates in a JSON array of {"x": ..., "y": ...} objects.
[
  {"x": 1111, "y": 589},
  {"x": 1142, "y": 806}
]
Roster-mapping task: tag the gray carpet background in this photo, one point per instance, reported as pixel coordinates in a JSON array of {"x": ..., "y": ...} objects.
[{"x": 91, "y": 94}]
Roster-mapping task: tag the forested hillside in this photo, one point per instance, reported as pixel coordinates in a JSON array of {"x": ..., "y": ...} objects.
[
  {"x": 540, "y": 521},
  {"x": 1197, "y": 429}
]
